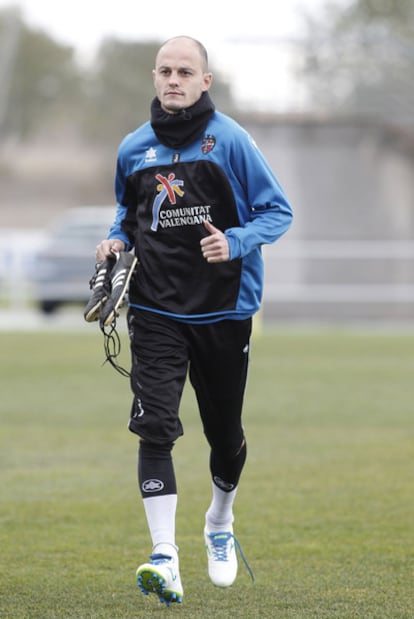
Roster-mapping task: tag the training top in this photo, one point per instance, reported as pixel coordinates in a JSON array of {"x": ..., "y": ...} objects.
[{"x": 164, "y": 195}]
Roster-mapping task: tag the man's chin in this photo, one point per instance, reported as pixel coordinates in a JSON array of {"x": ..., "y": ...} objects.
[
  {"x": 172, "y": 108},
  {"x": 173, "y": 103}
]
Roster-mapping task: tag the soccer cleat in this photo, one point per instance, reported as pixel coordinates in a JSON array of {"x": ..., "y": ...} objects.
[
  {"x": 100, "y": 284},
  {"x": 161, "y": 576},
  {"x": 222, "y": 558},
  {"x": 120, "y": 277}
]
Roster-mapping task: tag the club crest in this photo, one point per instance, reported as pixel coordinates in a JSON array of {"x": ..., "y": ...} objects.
[{"x": 208, "y": 143}]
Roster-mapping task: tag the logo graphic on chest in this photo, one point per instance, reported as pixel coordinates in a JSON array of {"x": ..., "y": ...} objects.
[
  {"x": 167, "y": 188},
  {"x": 166, "y": 213}
]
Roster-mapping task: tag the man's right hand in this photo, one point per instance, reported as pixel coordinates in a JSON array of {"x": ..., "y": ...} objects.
[{"x": 107, "y": 248}]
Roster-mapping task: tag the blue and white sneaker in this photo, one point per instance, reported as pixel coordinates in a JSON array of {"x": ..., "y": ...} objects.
[
  {"x": 161, "y": 576},
  {"x": 222, "y": 557}
]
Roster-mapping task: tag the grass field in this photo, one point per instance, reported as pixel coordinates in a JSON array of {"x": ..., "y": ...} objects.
[{"x": 325, "y": 511}]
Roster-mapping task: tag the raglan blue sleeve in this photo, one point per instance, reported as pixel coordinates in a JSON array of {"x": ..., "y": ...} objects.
[
  {"x": 264, "y": 209},
  {"x": 117, "y": 230}
]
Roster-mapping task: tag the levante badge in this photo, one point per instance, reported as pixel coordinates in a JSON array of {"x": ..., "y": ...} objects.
[{"x": 207, "y": 144}]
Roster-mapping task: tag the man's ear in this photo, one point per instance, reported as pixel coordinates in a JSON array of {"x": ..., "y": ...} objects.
[{"x": 207, "y": 79}]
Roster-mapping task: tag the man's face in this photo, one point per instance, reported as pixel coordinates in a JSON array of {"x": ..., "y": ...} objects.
[{"x": 180, "y": 75}]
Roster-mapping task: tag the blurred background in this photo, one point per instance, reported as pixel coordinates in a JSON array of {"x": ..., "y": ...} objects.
[{"x": 325, "y": 88}]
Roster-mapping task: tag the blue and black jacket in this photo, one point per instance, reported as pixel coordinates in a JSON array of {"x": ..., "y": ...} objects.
[{"x": 164, "y": 194}]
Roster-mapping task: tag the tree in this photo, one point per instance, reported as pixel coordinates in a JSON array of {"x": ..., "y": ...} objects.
[
  {"x": 44, "y": 91},
  {"x": 118, "y": 89},
  {"x": 39, "y": 78},
  {"x": 359, "y": 58}
]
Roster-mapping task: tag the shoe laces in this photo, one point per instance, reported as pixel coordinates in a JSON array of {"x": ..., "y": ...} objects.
[
  {"x": 220, "y": 544},
  {"x": 158, "y": 559},
  {"x": 112, "y": 348}
]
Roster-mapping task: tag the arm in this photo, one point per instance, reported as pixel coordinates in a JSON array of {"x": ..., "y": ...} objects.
[
  {"x": 118, "y": 237},
  {"x": 267, "y": 213}
]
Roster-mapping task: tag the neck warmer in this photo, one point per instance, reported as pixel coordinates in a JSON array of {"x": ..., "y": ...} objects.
[{"x": 179, "y": 130}]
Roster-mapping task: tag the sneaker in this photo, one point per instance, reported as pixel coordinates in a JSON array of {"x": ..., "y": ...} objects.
[
  {"x": 161, "y": 576},
  {"x": 120, "y": 277},
  {"x": 100, "y": 284},
  {"x": 222, "y": 558}
]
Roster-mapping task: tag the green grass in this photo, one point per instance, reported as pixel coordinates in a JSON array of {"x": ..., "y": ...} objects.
[{"x": 325, "y": 510}]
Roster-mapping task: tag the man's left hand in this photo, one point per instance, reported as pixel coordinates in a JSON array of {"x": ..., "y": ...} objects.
[{"x": 215, "y": 247}]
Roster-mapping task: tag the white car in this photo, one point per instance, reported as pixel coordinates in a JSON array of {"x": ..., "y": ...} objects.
[{"x": 64, "y": 265}]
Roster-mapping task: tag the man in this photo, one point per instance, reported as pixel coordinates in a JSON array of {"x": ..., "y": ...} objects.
[{"x": 196, "y": 201}]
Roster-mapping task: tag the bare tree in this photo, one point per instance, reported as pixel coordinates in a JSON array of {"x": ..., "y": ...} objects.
[
  {"x": 39, "y": 78},
  {"x": 359, "y": 58}
]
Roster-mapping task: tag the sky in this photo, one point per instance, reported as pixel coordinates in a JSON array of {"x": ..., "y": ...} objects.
[{"x": 250, "y": 43}]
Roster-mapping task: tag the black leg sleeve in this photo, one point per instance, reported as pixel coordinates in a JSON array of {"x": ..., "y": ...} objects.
[
  {"x": 156, "y": 474},
  {"x": 226, "y": 472}
]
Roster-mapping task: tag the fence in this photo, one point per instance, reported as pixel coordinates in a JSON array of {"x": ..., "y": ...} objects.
[
  {"x": 339, "y": 280},
  {"x": 305, "y": 280}
]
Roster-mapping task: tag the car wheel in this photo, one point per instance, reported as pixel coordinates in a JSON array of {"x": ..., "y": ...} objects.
[{"x": 49, "y": 307}]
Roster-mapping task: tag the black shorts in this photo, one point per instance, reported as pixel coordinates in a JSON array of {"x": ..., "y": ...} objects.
[{"x": 215, "y": 355}]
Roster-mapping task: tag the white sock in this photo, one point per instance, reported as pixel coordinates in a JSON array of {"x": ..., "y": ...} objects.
[
  {"x": 160, "y": 513},
  {"x": 219, "y": 516}
]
